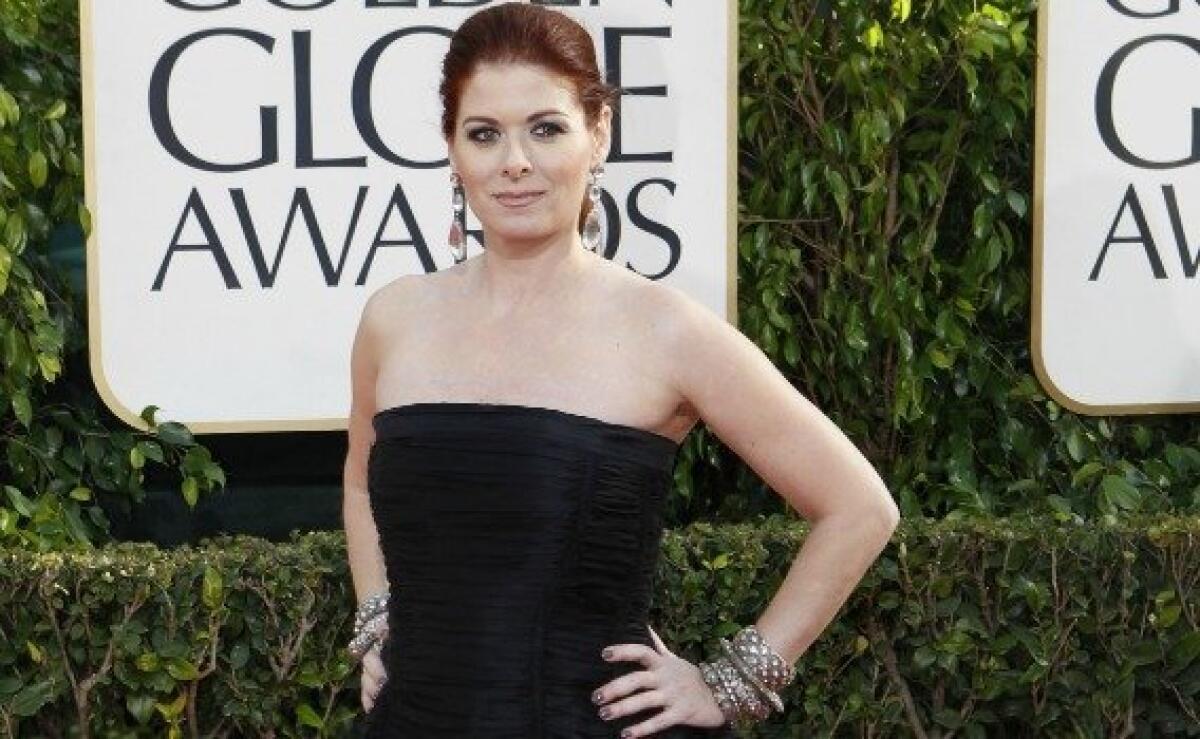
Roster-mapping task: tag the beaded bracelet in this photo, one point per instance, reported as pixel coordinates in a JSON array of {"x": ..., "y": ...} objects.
[
  {"x": 769, "y": 667},
  {"x": 370, "y": 624},
  {"x": 747, "y": 677},
  {"x": 371, "y": 606},
  {"x": 746, "y": 672},
  {"x": 375, "y": 630}
]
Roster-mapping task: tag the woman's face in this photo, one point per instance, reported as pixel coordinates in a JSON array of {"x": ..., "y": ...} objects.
[{"x": 523, "y": 149}]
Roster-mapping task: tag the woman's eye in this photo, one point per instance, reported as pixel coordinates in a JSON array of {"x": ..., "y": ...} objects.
[
  {"x": 482, "y": 135},
  {"x": 547, "y": 129}
]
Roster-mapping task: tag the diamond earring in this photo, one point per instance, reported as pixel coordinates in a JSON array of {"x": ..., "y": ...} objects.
[
  {"x": 591, "y": 224},
  {"x": 457, "y": 238}
]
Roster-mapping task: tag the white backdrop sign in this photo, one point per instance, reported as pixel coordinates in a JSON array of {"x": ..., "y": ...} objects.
[
  {"x": 256, "y": 168},
  {"x": 1116, "y": 294}
]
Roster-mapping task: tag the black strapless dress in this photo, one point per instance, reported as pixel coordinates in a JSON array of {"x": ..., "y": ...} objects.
[{"x": 519, "y": 541}]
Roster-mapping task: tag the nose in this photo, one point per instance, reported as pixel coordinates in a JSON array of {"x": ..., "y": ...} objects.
[{"x": 516, "y": 163}]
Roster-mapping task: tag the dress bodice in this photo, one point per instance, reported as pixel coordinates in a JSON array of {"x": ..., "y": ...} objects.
[{"x": 518, "y": 541}]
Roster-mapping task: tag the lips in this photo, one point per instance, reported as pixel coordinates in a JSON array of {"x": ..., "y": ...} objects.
[{"x": 518, "y": 199}]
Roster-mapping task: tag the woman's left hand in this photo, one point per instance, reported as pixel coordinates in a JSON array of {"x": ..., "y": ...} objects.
[{"x": 669, "y": 682}]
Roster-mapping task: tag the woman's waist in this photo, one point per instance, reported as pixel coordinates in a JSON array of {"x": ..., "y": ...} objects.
[{"x": 513, "y": 652}]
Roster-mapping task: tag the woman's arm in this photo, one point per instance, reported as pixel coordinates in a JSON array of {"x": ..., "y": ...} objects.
[
  {"x": 362, "y": 538},
  {"x": 797, "y": 451}
]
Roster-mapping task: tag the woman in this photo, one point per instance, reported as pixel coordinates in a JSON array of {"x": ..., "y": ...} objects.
[{"x": 514, "y": 423}]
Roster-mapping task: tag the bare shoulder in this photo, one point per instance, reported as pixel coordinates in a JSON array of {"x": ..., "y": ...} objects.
[
  {"x": 406, "y": 295},
  {"x": 664, "y": 321},
  {"x": 670, "y": 316},
  {"x": 398, "y": 292}
]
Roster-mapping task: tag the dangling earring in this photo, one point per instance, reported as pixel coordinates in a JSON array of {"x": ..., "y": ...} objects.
[
  {"x": 457, "y": 238},
  {"x": 591, "y": 224}
]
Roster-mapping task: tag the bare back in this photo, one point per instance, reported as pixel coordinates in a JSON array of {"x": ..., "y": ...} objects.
[{"x": 591, "y": 351}]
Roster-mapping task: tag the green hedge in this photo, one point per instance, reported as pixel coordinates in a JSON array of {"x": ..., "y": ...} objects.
[{"x": 977, "y": 628}]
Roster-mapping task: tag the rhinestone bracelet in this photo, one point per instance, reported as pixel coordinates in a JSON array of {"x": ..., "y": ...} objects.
[
  {"x": 737, "y": 699},
  {"x": 371, "y": 606},
  {"x": 749, "y": 673},
  {"x": 374, "y": 630},
  {"x": 767, "y": 665},
  {"x": 725, "y": 700},
  {"x": 746, "y": 672}
]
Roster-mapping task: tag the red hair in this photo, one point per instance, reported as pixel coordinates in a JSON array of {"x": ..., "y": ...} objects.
[{"x": 529, "y": 34}]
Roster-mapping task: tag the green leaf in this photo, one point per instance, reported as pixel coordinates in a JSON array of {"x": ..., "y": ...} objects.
[
  {"x": 182, "y": 669},
  {"x": 22, "y": 408},
  {"x": 191, "y": 491},
  {"x": 32, "y": 698},
  {"x": 940, "y": 359},
  {"x": 20, "y": 503},
  {"x": 56, "y": 111},
  {"x": 841, "y": 193},
  {"x": 1167, "y": 616},
  {"x": 174, "y": 709},
  {"x": 239, "y": 656},
  {"x": 1086, "y": 472},
  {"x": 38, "y": 169},
  {"x": 308, "y": 717},
  {"x": 1185, "y": 651},
  {"x": 141, "y": 707},
  {"x": 147, "y": 662},
  {"x": 173, "y": 433},
  {"x": 212, "y": 589},
  {"x": 1118, "y": 492},
  {"x": 901, "y": 9},
  {"x": 873, "y": 36},
  {"x": 1075, "y": 445},
  {"x": 924, "y": 656},
  {"x": 1016, "y": 201},
  {"x": 150, "y": 450},
  {"x": 49, "y": 366}
]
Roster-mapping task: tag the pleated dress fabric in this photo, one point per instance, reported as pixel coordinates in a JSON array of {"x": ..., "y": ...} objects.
[{"x": 519, "y": 541}]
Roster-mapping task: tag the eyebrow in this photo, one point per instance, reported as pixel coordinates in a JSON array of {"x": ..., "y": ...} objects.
[{"x": 532, "y": 117}]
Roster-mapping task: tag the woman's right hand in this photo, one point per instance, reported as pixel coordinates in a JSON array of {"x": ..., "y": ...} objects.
[{"x": 373, "y": 675}]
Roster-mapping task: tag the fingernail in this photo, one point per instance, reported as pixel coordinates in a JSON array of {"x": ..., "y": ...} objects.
[
  {"x": 605, "y": 713},
  {"x": 596, "y": 697},
  {"x": 607, "y": 653},
  {"x": 626, "y": 733}
]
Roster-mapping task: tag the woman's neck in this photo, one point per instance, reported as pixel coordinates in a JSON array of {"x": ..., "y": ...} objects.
[{"x": 511, "y": 277}]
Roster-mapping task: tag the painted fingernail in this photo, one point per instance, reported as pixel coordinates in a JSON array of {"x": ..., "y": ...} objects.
[
  {"x": 606, "y": 713},
  {"x": 596, "y": 697},
  {"x": 607, "y": 653}
]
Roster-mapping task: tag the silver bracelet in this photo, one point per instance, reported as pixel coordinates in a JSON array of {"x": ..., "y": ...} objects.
[
  {"x": 372, "y": 631},
  {"x": 735, "y": 697},
  {"x": 748, "y": 675},
  {"x": 767, "y": 665},
  {"x": 725, "y": 699},
  {"x": 746, "y": 672},
  {"x": 371, "y": 606}
]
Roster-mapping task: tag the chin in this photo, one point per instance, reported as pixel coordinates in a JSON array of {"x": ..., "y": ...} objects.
[{"x": 522, "y": 229}]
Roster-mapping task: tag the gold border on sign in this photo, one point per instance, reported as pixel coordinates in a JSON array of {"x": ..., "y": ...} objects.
[
  {"x": 731, "y": 154},
  {"x": 1039, "y": 365},
  {"x": 95, "y": 363}
]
